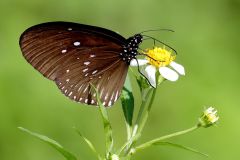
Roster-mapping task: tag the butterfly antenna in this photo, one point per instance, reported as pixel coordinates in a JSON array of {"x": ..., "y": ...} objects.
[
  {"x": 160, "y": 42},
  {"x": 154, "y": 42},
  {"x": 153, "y": 30},
  {"x": 142, "y": 54}
]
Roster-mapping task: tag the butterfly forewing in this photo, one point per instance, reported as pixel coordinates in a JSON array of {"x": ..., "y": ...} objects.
[{"x": 75, "y": 56}]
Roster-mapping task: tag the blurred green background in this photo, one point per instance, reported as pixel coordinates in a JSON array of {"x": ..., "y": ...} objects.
[{"x": 206, "y": 37}]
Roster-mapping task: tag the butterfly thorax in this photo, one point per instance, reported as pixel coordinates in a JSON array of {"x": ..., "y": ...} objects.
[{"x": 130, "y": 50}]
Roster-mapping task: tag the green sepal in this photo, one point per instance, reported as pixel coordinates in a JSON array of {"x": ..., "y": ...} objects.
[{"x": 142, "y": 83}]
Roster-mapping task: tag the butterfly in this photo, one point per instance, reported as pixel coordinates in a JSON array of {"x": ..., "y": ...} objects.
[{"x": 77, "y": 56}]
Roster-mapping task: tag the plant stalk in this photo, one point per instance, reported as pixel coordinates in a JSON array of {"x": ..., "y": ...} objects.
[{"x": 152, "y": 142}]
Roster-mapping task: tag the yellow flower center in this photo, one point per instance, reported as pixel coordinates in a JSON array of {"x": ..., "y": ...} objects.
[
  {"x": 212, "y": 117},
  {"x": 159, "y": 57}
]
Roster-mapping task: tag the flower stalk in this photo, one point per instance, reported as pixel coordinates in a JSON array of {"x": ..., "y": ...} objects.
[
  {"x": 160, "y": 79},
  {"x": 152, "y": 142},
  {"x": 140, "y": 122}
]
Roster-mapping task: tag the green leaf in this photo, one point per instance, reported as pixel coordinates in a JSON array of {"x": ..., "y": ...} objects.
[
  {"x": 181, "y": 147},
  {"x": 127, "y": 100},
  {"x": 106, "y": 124},
  {"x": 54, "y": 144},
  {"x": 89, "y": 143}
]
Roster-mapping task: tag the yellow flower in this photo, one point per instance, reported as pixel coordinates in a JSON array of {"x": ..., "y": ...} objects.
[
  {"x": 162, "y": 60},
  {"x": 159, "y": 57}
]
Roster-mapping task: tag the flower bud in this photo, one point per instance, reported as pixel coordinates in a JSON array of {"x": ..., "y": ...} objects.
[{"x": 208, "y": 118}]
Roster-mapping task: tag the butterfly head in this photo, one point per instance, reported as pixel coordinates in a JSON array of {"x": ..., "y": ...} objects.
[
  {"x": 134, "y": 41},
  {"x": 138, "y": 38}
]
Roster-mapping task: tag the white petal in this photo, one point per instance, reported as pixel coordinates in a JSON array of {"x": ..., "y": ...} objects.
[
  {"x": 140, "y": 62},
  {"x": 168, "y": 73},
  {"x": 178, "y": 67},
  {"x": 150, "y": 73}
]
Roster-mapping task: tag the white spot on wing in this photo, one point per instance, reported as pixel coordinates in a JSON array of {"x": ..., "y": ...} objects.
[
  {"x": 101, "y": 93},
  {"x": 85, "y": 69},
  {"x": 69, "y": 29},
  {"x": 80, "y": 88},
  {"x": 106, "y": 96},
  {"x": 116, "y": 96},
  {"x": 67, "y": 70},
  {"x": 74, "y": 97},
  {"x": 92, "y": 55},
  {"x": 109, "y": 103},
  {"x": 80, "y": 99},
  {"x": 104, "y": 103},
  {"x": 86, "y": 100},
  {"x": 94, "y": 72},
  {"x": 92, "y": 101},
  {"x": 76, "y": 43},
  {"x": 67, "y": 80},
  {"x": 86, "y": 63},
  {"x": 64, "y": 51},
  {"x": 86, "y": 75},
  {"x": 85, "y": 89},
  {"x": 112, "y": 96},
  {"x": 70, "y": 94}
]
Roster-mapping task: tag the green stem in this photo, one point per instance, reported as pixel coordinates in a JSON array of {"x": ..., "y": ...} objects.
[
  {"x": 152, "y": 142},
  {"x": 129, "y": 131},
  {"x": 127, "y": 146},
  {"x": 147, "y": 112},
  {"x": 106, "y": 125},
  {"x": 140, "y": 112},
  {"x": 139, "y": 126},
  {"x": 159, "y": 80}
]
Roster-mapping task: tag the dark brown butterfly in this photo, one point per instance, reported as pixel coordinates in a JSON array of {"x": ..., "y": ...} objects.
[{"x": 75, "y": 56}]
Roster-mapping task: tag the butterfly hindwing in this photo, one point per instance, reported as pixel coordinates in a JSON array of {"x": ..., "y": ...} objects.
[{"x": 108, "y": 81}]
